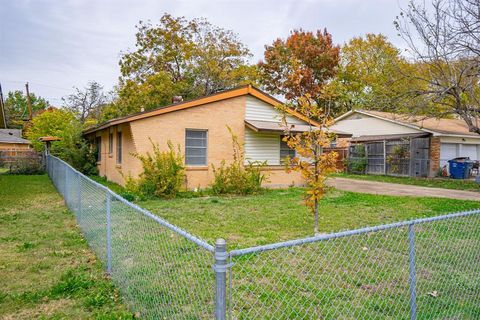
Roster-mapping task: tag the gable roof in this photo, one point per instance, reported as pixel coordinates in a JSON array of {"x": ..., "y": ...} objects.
[
  {"x": 448, "y": 127},
  {"x": 223, "y": 95},
  {"x": 12, "y": 136}
]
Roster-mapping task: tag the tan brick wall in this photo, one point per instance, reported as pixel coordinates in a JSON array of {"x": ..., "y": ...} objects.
[
  {"x": 108, "y": 166},
  {"x": 278, "y": 178},
  {"x": 343, "y": 142},
  {"x": 14, "y": 146},
  {"x": 213, "y": 117},
  {"x": 434, "y": 155}
]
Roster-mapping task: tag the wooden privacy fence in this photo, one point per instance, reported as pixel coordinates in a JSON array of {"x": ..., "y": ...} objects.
[{"x": 342, "y": 156}]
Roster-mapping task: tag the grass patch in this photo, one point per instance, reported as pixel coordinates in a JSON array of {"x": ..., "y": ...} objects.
[
  {"x": 443, "y": 183},
  {"x": 359, "y": 277},
  {"x": 47, "y": 269},
  {"x": 277, "y": 215}
]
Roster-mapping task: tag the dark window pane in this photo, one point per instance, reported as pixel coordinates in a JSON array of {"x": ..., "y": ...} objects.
[
  {"x": 199, "y": 152},
  {"x": 196, "y": 142},
  {"x": 285, "y": 151},
  {"x": 119, "y": 147}
]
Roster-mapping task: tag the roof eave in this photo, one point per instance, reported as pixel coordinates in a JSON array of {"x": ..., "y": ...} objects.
[{"x": 228, "y": 94}]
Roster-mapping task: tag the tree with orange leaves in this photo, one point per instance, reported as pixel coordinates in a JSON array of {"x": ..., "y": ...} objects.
[{"x": 299, "y": 68}]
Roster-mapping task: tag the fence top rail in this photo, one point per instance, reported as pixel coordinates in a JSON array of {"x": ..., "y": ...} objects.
[
  {"x": 146, "y": 213},
  {"x": 342, "y": 234}
]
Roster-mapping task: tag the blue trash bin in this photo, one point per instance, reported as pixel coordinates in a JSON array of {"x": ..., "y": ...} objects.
[{"x": 459, "y": 168}]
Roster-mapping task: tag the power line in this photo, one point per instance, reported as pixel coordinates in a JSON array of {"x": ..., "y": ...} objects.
[{"x": 39, "y": 84}]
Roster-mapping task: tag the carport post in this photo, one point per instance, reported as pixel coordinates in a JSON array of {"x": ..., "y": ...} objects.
[
  {"x": 220, "y": 269},
  {"x": 109, "y": 242}
]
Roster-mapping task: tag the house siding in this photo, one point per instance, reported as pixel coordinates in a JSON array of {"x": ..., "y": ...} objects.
[
  {"x": 363, "y": 125},
  {"x": 260, "y": 146},
  {"x": 259, "y": 110}
]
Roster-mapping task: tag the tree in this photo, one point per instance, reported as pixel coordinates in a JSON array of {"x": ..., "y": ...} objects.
[
  {"x": 16, "y": 107},
  {"x": 444, "y": 41},
  {"x": 300, "y": 68},
  {"x": 370, "y": 75},
  {"x": 87, "y": 104},
  {"x": 300, "y": 65},
  {"x": 180, "y": 57},
  {"x": 72, "y": 147}
]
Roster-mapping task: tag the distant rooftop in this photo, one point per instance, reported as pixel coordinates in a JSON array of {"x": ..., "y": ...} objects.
[{"x": 12, "y": 136}]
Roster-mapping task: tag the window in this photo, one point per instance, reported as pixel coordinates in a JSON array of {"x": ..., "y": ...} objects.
[
  {"x": 110, "y": 143},
  {"x": 196, "y": 147},
  {"x": 285, "y": 151},
  {"x": 98, "y": 145},
  {"x": 119, "y": 147},
  {"x": 333, "y": 143}
]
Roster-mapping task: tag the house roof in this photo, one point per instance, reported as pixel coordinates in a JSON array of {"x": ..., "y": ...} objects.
[
  {"x": 448, "y": 127},
  {"x": 258, "y": 125},
  {"x": 223, "y": 95},
  {"x": 12, "y": 136},
  {"x": 390, "y": 137}
]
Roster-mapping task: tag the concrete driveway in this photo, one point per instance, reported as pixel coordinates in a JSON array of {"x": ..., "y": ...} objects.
[{"x": 395, "y": 189}]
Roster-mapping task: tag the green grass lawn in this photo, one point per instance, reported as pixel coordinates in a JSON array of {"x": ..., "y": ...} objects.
[
  {"x": 280, "y": 214},
  {"x": 358, "y": 277},
  {"x": 47, "y": 270},
  {"x": 277, "y": 215},
  {"x": 444, "y": 183}
]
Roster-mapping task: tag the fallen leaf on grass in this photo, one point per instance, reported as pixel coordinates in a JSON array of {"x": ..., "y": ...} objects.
[{"x": 433, "y": 294}]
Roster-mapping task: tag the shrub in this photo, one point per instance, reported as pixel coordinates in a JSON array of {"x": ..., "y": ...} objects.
[
  {"x": 72, "y": 147},
  {"x": 357, "y": 161},
  {"x": 163, "y": 173},
  {"x": 26, "y": 166},
  {"x": 236, "y": 178}
]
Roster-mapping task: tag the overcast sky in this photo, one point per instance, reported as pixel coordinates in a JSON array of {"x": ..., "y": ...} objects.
[{"x": 55, "y": 45}]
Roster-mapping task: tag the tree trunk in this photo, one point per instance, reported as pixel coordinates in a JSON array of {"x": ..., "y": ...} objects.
[{"x": 315, "y": 208}]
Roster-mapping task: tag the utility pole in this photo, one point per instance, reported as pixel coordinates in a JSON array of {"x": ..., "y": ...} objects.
[
  {"x": 29, "y": 102},
  {"x": 3, "y": 119}
]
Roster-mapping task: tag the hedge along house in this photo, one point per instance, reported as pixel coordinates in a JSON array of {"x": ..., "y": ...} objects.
[
  {"x": 200, "y": 128},
  {"x": 395, "y": 144}
]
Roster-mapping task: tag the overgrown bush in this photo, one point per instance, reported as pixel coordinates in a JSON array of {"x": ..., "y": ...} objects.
[
  {"x": 237, "y": 178},
  {"x": 163, "y": 173},
  {"x": 26, "y": 166},
  {"x": 358, "y": 162}
]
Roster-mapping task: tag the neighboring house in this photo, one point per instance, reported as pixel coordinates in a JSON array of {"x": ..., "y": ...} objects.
[
  {"x": 200, "y": 128},
  {"x": 11, "y": 139},
  {"x": 431, "y": 142}
]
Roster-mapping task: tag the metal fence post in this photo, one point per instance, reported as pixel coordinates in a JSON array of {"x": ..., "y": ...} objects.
[
  {"x": 79, "y": 198},
  {"x": 65, "y": 189},
  {"x": 220, "y": 268},
  {"x": 109, "y": 242},
  {"x": 412, "y": 274}
]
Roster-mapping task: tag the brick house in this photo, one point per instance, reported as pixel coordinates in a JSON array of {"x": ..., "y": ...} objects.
[
  {"x": 430, "y": 142},
  {"x": 200, "y": 128},
  {"x": 11, "y": 140}
]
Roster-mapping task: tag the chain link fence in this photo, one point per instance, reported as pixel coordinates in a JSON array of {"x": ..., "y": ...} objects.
[
  {"x": 426, "y": 268},
  {"x": 162, "y": 271}
]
